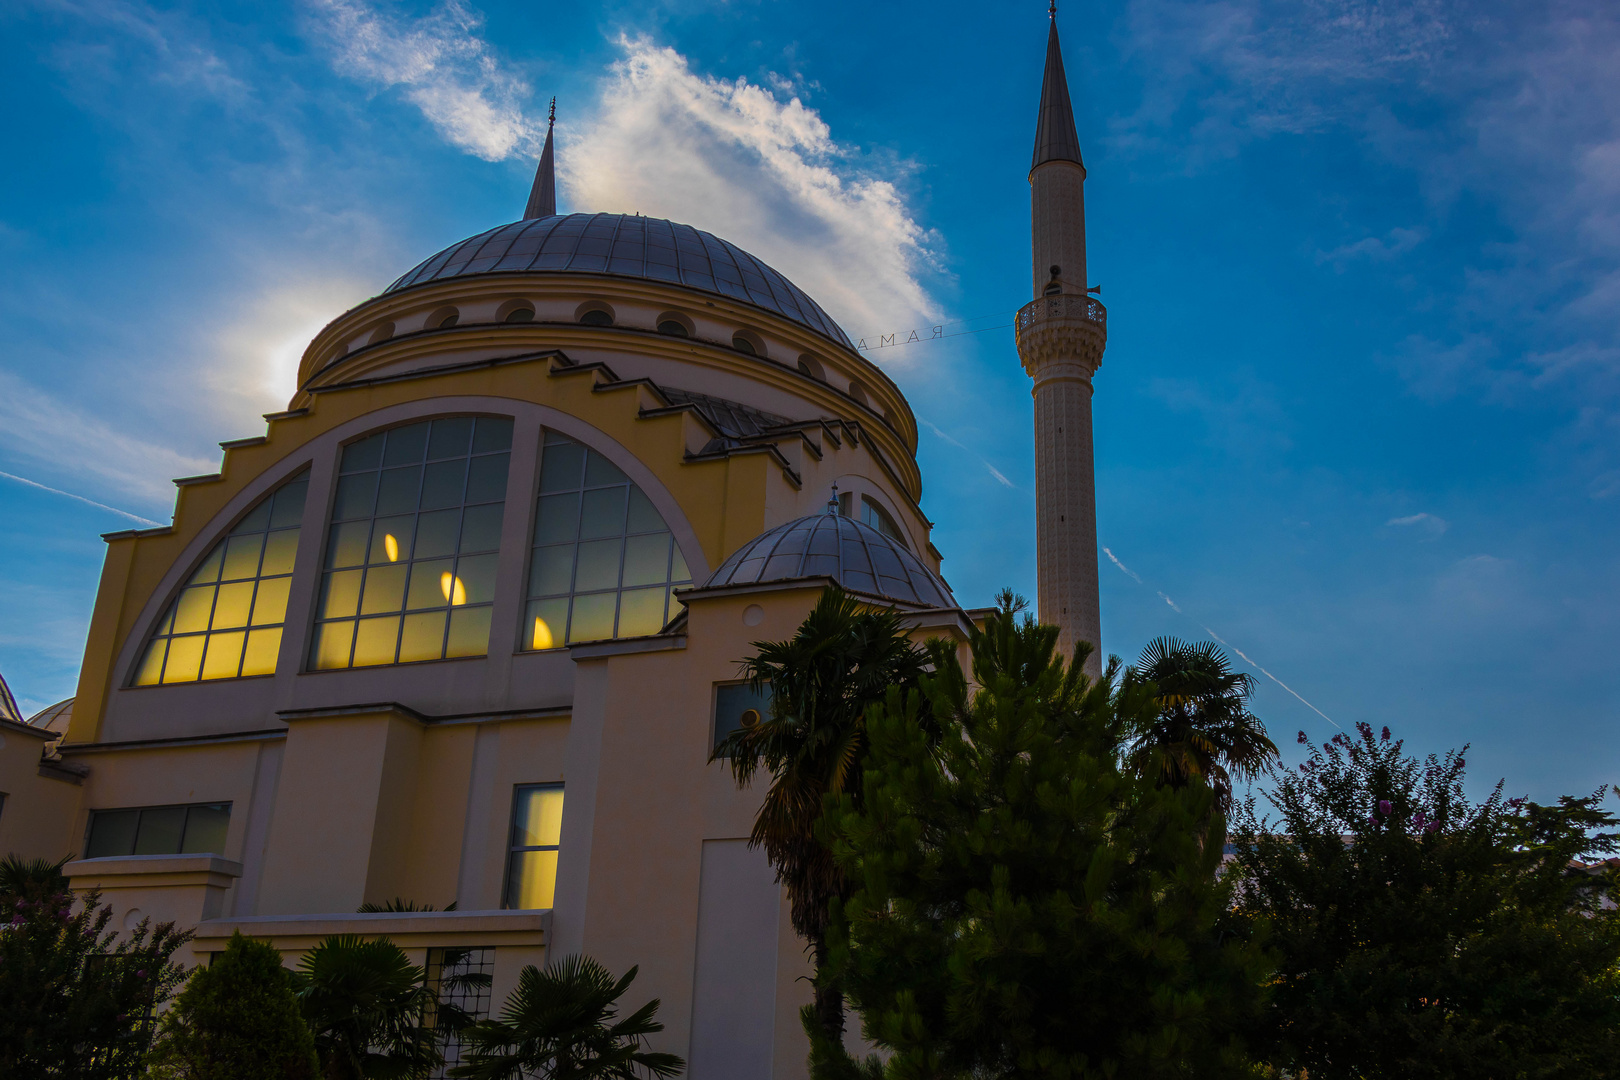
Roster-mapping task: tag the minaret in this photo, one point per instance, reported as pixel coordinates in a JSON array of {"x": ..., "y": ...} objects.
[
  {"x": 543, "y": 195},
  {"x": 1061, "y": 336}
]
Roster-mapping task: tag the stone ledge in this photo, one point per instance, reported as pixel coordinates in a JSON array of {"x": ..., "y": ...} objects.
[
  {"x": 107, "y": 869},
  {"x": 407, "y": 929}
]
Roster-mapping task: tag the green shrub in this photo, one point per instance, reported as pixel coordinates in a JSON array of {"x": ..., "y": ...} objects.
[{"x": 237, "y": 1019}]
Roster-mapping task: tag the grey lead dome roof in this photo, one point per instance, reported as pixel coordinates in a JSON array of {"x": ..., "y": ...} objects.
[
  {"x": 850, "y": 552},
  {"x": 631, "y": 246}
]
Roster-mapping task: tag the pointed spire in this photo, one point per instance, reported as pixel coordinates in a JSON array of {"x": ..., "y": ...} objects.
[
  {"x": 1055, "y": 137},
  {"x": 543, "y": 196}
]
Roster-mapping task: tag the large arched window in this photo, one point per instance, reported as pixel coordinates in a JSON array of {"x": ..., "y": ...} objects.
[
  {"x": 227, "y": 621},
  {"x": 415, "y": 536},
  {"x": 604, "y": 560}
]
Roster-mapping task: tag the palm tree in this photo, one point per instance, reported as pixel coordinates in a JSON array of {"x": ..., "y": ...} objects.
[
  {"x": 368, "y": 1006},
  {"x": 843, "y": 659},
  {"x": 562, "y": 1024},
  {"x": 1203, "y": 726}
]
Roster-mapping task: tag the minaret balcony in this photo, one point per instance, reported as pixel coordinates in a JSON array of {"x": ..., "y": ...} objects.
[{"x": 1068, "y": 328}]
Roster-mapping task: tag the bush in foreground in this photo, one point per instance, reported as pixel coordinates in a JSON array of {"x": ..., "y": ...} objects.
[{"x": 237, "y": 1019}]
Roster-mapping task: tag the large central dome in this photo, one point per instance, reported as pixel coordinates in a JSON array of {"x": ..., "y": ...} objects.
[{"x": 626, "y": 245}]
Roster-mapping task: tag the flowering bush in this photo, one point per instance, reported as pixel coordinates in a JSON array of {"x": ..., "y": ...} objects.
[
  {"x": 1421, "y": 934},
  {"x": 76, "y": 999}
]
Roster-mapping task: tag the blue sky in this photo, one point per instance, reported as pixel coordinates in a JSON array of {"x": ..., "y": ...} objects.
[{"x": 1359, "y": 414}]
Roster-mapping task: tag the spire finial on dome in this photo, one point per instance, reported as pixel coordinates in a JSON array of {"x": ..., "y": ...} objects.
[
  {"x": 543, "y": 195},
  {"x": 1055, "y": 136},
  {"x": 832, "y": 503}
]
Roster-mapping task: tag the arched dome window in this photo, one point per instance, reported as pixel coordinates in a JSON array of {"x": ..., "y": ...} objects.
[
  {"x": 674, "y": 324},
  {"x": 604, "y": 559},
  {"x": 413, "y": 543},
  {"x": 227, "y": 621},
  {"x": 516, "y": 311}
]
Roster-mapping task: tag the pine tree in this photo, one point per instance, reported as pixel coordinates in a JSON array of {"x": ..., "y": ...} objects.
[
  {"x": 237, "y": 1019},
  {"x": 1027, "y": 906}
]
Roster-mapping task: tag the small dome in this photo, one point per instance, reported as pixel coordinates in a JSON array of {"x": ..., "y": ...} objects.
[
  {"x": 53, "y": 717},
  {"x": 854, "y": 554},
  {"x": 626, "y": 245}
]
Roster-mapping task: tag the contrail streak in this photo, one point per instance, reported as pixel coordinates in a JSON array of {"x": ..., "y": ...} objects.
[
  {"x": 995, "y": 472},
  {"x": 1247, "y": 658},
  {"x": 80, "y": 498}
]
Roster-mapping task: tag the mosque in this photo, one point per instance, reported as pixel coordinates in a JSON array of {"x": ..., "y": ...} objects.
[{"x": 462, "y": 626}]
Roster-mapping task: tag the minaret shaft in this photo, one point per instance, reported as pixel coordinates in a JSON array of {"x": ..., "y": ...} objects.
[
  {"x": 1061, "y": 337},
  {"x": 1066, "y": 508}
]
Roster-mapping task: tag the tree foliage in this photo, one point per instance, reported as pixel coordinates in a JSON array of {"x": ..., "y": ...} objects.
[
  {"x": 76, "y": 998},
  {"x": 1202, "y": 727},
  {"x": 563, "y": 1024},
  {"x": 368, "y": 1007},
  {"x": 237, "y": 1019},
  {"x": 1420, "y": 934},
  {"x": 1026, "y": 905},
  {"x": 843, "y": 658}
]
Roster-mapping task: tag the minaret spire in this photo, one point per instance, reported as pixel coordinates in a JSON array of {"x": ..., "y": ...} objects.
[
  {"x": 543, "y": 195},
  {"x": 1061, "y": 336},
  {"x": 1055, "y": 137}
]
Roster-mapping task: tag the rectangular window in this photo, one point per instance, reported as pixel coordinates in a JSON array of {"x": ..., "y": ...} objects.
[
  {"x": 738, "y": 706},
  {"x": 531, "y": 865},
  {"x": 198, "y": 829}
]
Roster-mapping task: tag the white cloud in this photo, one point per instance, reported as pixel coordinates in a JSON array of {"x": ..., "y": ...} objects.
[
  {"x": 1379, "y": 249},
  {"x": 36, "y": 426},
  {"x": 1429, "y": 526},
  {"x": 740, "y": 161},
  {"x": 449, "y": 72}
]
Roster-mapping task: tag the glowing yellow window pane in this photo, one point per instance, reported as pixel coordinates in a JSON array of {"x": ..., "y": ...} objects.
[
  {"x": 547, "y": 621},
  {"x": 451, "y": 586},
  {"x": 224, "y": 659},
  {"x": 593, "y": 617},
  {"x": 641, "y": 612},
  {"x": 342, "y": 594},
  {"x": 209, "y": 570},
  {"x": 537, "y": 821},
  {"x": 259, "y": 658},
  {"x": 375, "y": 641},
  {"x": 423, "y": 637},
  {"x": 332, "y": 645},
  {"x": 242, "y": 557},
  {"x": 151, "y": 672},
  {"x": 385, "y": 590},
  {"x": 426, "y": 590},
  {"x": 270, "y": 605},
  {"x": 232, "y": 607},
  {"x": 533, "y": 881},
  {"x": 191, "y": 614},
  {"x": 469, "y": 632},
  {"x": 185, "y": 659},
  {"x": 279, "y": 550}
]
